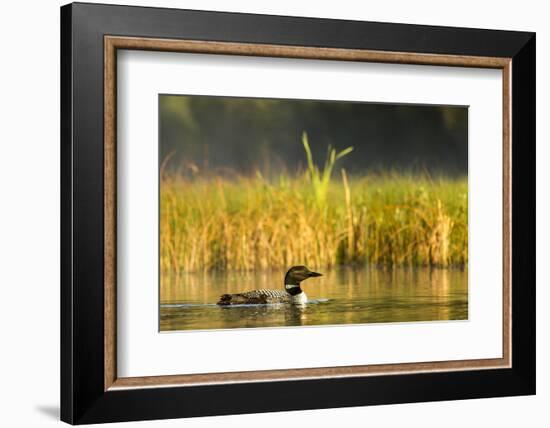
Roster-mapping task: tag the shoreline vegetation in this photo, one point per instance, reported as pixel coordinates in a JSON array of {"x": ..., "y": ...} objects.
[{"x": 317, "y": 217}]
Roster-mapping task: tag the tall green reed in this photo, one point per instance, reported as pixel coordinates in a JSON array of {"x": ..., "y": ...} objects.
[{"x": 320, "y": 180}]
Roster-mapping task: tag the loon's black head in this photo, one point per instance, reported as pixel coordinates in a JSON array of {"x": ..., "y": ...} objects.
[{"x": 297, "y": 274}]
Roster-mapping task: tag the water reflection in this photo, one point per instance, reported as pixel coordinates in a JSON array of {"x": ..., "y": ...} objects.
[{"x": 342, "y": 296}]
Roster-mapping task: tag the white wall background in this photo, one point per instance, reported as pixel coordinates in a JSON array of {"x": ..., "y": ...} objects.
[{"x": 29, "y": 213}]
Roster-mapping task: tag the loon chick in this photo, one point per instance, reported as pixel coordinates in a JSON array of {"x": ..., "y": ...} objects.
[{"x": 291, "y": 294}]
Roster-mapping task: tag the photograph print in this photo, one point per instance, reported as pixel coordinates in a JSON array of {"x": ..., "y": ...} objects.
[{"x": 289, "y": 212}]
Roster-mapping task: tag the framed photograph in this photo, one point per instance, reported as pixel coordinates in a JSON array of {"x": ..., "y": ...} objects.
[{"x": 266, "y": 213}]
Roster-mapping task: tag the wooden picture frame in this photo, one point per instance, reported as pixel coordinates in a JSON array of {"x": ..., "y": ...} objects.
[{"x": 91, "y": 390}]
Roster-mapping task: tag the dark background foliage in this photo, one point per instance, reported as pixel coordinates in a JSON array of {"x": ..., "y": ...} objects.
[{"x": 243, "y": 135}]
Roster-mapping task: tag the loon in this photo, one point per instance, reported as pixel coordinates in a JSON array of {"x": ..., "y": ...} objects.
[{"x": 291, "y": 294}]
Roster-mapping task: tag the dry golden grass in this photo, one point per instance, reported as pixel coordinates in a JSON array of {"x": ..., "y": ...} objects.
[{"x": 253, "y": 223}]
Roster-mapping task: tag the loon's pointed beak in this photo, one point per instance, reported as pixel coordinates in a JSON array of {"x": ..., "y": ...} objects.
[{"x": 312, "y": 274}]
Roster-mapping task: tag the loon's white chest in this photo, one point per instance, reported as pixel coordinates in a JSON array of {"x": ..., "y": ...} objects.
[{"x": 298, "y": 299}]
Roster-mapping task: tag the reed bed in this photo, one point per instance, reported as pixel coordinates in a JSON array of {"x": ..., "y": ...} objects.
[{"x": 245, "y": 223}]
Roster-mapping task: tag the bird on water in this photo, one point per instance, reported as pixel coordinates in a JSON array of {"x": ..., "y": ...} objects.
[{"x": 292, "y": 293}]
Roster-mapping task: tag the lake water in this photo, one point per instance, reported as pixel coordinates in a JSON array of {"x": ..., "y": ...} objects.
[{"x": 342, "y": 296}]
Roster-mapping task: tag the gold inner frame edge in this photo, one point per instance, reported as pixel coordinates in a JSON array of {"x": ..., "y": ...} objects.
[{"x": 113, "y": 43}]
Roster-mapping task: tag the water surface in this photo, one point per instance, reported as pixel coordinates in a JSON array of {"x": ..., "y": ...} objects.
[{"x": 341, "y": 296}]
